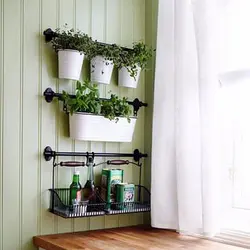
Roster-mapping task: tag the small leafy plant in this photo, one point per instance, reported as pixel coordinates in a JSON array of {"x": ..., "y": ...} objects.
[
  {"x": 108, "y": 51},
  {"x": 115, "y": 108},
  {"x": 87, "y": 99},
  {"x": 71, "y": 39},
  {"x": 136, "y": 57}
]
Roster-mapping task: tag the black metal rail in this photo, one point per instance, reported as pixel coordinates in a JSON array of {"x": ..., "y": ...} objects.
[
  {"x": 49, "y": 154},
  {"x": 50, "y": 34},
  {"x": 49, "y": 95}
]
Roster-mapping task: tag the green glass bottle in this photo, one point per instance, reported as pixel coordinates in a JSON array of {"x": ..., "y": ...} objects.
[
  {"x": 75, "y": 189},
  {"x": 89, "y": 187}
]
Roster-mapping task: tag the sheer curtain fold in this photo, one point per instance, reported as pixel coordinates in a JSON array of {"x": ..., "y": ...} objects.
[{"x": 185, "y": 179}]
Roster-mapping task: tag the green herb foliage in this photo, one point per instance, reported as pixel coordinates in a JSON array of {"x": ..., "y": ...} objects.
[
  {"x": 115, "y": 107},
  {"x": 87, "y": 100},
  {"x": 138, "y": 56},
  {"x": 71, "y": 39},
  {"x": 108, "y": 51}
]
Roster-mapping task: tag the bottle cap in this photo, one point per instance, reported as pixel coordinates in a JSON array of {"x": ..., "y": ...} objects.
[{"x": 76, "y": 172}]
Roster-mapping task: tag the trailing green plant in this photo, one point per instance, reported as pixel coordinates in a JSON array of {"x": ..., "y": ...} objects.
[
  {"x": 87, "y": 99},
  {"x": 134, "y": 58},
  {"x": 108, "y": 51},
  {"x": 71, "y": 39}
]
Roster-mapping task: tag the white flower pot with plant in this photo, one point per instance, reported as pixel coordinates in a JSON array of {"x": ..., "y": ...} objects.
[
  {"x": 126, "y": 80},
  {"x": 131, "y": 63},
  {"x": 70, "y": 64},
  {"x": 101, "y": 69},
  {"x": 102, "y": 59},
  {"x": 95, "y": 119},
  {"x": 71, "y": 47}
]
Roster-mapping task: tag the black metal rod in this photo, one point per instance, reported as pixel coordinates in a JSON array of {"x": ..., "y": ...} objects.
[
  {"x": 49, "y": 154},
  {"x": 50, "y": 34},
  {"x": 97, "y": 154},
  {"x": 49, "y": 95}
]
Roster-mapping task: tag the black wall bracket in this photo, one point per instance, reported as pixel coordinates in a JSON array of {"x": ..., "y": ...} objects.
[
  {"x": 49, "y": 95},
  {"x": 49, "y": 34}
]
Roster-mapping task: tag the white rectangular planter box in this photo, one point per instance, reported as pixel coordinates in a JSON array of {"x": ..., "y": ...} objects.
[{"x": 88, "y": 127}]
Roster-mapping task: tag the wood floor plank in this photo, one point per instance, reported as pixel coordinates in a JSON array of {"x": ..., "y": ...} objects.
[{"x": 138, "y": 238}]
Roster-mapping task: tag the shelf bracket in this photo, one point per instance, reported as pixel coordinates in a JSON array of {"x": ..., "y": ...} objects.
[{"x": 48, "y": 153}]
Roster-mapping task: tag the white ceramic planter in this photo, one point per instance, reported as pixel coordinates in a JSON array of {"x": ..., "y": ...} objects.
[
  {"x": 101, "y": 70},
  {"x": 87, "y": 127},
  {"x": 125, "y": 80},
  {"x": 70, "y": 64}
]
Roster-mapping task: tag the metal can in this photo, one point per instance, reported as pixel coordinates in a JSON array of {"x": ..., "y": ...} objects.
[{"x": 125, "y": 195}]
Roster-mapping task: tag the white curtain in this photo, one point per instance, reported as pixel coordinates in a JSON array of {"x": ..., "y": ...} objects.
[{"x": 185, "y": 162}]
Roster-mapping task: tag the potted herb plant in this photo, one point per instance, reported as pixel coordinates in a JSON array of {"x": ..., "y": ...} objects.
[
  {"x": 131, "y": 63},
  {"x": 71, "y": 46},
  {"x": 94, "y": 119},
  {"x": 102, "y": 59}
]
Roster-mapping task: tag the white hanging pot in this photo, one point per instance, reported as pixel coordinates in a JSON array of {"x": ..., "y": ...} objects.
[
  {"x": 88, "y": 127},
  {"x": 70, "y": 64},
  {"x": 101, "y": 70},
  {"x": 125, "y": 80}
]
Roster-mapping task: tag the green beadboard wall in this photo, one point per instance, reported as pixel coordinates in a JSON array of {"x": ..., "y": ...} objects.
[{"x": 27, "y": 123}]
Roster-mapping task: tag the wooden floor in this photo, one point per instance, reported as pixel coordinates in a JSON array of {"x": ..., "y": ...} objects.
[{"x": 126, "y": 238}]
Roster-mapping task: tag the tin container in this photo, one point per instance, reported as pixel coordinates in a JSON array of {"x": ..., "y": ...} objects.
[
  {"x": 125, "y": 195},
  {"x": 110, "y": 177}
]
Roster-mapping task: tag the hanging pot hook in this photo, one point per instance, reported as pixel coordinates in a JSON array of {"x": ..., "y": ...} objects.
[{"x": 87, "y": 163}]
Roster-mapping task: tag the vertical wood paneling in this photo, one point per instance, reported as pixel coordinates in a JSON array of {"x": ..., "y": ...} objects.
[
  {"x": 11, "y": 125},
  {"x": 126, "y": 34},
  {"x": 97, "y": 20},
  {"x": 66, "y": 15},
  {"x": 30, "y": 145},
  {"x": 1, "y": 121},
  {"x": 48, "y": 67},
  {"x": 98, "y": 32},
  {"x": 28, "y": 123},
  {"x": 138, "y": 142},
  {"x": 113, "y": 24},
  {"x": 151, "y": 8},
  {"x": 83, "y": 22}
]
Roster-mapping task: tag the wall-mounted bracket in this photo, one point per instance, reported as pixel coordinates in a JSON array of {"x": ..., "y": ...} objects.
[
  {"x": 48, "y": 153},
  {"x": 49, "y": 95},
  {"x": 49, "y": 34},
  {"x": 137, "y": 104}
]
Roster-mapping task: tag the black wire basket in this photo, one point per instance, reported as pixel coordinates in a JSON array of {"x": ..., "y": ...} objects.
[
  {"x": 140, "y": 204},
  {"x": 60, "y": 204}
]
